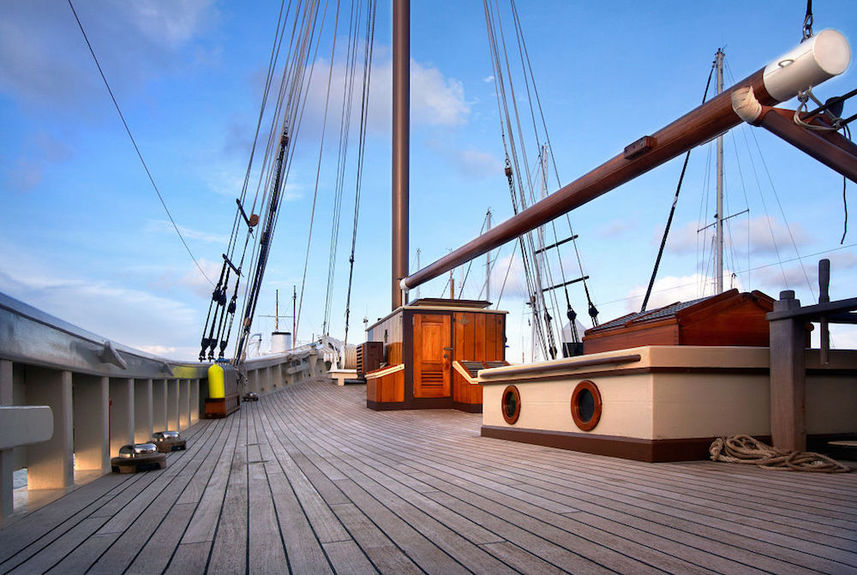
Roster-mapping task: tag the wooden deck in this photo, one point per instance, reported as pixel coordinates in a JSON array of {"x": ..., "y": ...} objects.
[{"x": 307, "y": 480}]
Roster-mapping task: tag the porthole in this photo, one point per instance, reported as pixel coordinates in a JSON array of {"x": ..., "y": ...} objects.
[
  {"x": 586, "y": 405},
  {"x": 510, "y": 404}
]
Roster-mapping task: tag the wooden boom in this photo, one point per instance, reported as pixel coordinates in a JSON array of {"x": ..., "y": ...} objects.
[{"x": 817, "y": 59}]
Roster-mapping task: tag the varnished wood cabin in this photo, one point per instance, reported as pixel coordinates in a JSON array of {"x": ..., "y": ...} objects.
[
  {"x": 422, "y": 342},
  {"x": 729, "y": 318}
]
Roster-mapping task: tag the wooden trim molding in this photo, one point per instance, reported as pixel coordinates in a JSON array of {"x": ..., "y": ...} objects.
[
  {"x": 384, "y": 371},
  {"x": 544, "y": 368},
  {"x": 581, "y": 390},
  {"x": 650, "y": 450},
  {"x": 510, "y": 404}
]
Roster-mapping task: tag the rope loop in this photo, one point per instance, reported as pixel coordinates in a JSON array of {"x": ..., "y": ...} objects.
[{"x": 746, "y": 449}]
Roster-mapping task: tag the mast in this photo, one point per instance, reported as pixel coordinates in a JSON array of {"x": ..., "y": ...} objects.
[
  {"x": 401, "y": 142},
  {"x": 294, "y": 316},
  {"x": 718, "y": 285},
  {"x": 487, "y": 260}
]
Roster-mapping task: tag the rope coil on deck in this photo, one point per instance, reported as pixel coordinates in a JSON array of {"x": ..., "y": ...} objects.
[{"x": 746, "y": 449}]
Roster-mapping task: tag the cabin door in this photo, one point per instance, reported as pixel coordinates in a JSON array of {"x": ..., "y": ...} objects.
[{"x": 432, "y": 355}]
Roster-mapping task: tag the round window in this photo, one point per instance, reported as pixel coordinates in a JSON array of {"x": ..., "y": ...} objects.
[
  {"x": 586, "y": 405},
  {"x": 510, "y": 404}
]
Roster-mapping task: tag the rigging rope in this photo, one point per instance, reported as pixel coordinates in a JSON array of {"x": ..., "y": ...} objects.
[
  {"x": 134, "y": 143},
  {"x": 318, "y": 168},
  {"x": 364, "y": 117},
  {"x": 672, "y": 208}
]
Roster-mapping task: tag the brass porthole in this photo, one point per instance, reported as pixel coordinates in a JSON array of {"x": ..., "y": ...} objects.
[
  {"x": 510, "y": 404},
  {"x": 586, "y": 405}
]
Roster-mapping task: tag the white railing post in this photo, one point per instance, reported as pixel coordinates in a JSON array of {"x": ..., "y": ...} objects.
[
  {"x": 194, "y": 400},
  {"x": 91, "y": 422},
  {"x": 121, "y": 413},
  {"x": 7, "y": 463},
  {"x": 143, "y": 416},
  {"x": 50, "y": 463}
]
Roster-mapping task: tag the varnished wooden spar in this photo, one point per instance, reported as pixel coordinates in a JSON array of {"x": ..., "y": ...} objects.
[
  {"x": 813, "y": 62},
  {"x": 824, "y": 144}
]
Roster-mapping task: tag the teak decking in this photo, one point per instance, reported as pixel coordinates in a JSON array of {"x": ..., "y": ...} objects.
[{"x": 308, "y": 480}]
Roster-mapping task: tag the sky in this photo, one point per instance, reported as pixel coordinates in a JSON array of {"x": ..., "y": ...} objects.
[{"x": 83, "y": 235}]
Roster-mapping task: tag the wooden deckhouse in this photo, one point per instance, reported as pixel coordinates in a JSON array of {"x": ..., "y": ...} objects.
[
  {"x": 422, "y": 343},
  {"x": 729, "y": 318}
]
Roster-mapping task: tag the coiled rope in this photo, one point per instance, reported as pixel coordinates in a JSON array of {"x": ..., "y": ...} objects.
[{"x": 746, "y": 449}]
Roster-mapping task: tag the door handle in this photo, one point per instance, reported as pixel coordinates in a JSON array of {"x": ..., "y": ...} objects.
[{"x": 447, "y": 349}]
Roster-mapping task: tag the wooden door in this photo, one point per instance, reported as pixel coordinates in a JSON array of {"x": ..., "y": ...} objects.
[{"x": 432, "y": 355}]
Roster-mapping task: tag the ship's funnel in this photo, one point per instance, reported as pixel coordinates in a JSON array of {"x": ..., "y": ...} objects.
[
  {"x": 815, "y": 60},
  {"x": 281, "y": 341}
]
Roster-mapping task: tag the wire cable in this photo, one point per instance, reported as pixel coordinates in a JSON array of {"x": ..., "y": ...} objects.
[{"x": 134, "y": 142}]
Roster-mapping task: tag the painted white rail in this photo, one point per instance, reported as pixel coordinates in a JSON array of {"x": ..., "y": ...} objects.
[{"x": 99, "y": 395}]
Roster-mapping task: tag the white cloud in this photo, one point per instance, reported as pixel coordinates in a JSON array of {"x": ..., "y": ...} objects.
[
  {"x": 672, "y": 289},
  {"x": 166, "y": 227},
  {"x": 169, "y": 21},
  {"x": 767, "y": 236},
  {"x": 133, "y": 317},
  {"x": 615, "y": 228},
  {"x": 197, "y": 283},
  {"x": 436, "y": 100},
  {"x": 44, "y": 59}
]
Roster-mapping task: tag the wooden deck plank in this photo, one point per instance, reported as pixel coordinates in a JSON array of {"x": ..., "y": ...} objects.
[
  {"x": 161, "y": 495},
  {"x": 266, "y": 551},
  {"x": 734, "y": 567},
  {"x": 229, "y": 550},
  {"x": 115, "y": 488},
  {"x": 346, "y": 557},
  {"x": 382, "y": 552},
  {"x": 57, "y": 550},
  {"x": 204, "y": 521},
  {"x": 156, "y": 554},
  {"x": 80, "y": 559},
  {"x": 307, "y": 480}
]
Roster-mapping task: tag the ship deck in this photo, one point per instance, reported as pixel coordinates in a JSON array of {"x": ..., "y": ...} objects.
[{"x": 307, "y": 480}]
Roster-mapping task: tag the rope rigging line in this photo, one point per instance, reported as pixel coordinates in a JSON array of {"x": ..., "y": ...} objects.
[
  {"x": 540, "y": 270},
  {"x": 134, "y": 143},
  {"x": 672, "y": 208},
  {"x": 344, "y": 133},
  {"x": 593, "y": 311},
  {"x": 288, "y": 113},
  {"x": 470, "y": 263},
  {"x": 503, "y": 112},
  {"x": 318, "y": 166},
  {"x": 364, "y": 118}
]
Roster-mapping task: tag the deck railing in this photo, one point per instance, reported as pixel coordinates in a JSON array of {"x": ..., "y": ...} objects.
[{"x": 100, "y": 394}]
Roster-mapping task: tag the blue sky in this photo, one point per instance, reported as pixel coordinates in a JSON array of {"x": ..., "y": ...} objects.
[{"x": 84, "y": 237}]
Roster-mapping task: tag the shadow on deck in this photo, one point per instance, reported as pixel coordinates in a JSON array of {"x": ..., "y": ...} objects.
[{"x": 307, "y": 480}]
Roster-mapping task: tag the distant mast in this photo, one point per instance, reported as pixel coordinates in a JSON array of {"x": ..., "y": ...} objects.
[{"x": 718, "y": 282}]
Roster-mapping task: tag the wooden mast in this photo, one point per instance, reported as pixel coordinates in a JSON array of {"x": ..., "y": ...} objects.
[
  {"x": 401, "y": 143},
  {"x": 718, "y": 286}
]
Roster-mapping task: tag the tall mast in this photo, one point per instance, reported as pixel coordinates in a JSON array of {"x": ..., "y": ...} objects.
[
  {"x": 418, "y": 267},
  {"x": 718, "y": 286},
  {"x": 401, "y": 141},
  {"x": 487, "y": 260}
]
